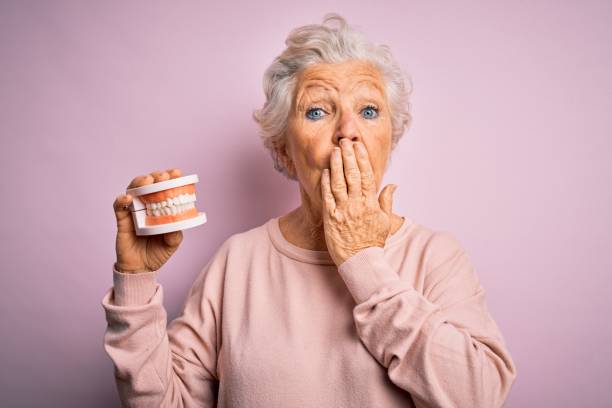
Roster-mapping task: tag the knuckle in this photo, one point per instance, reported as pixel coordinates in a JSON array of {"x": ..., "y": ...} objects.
[
  {"x": 367, "y": 178},
  {"x": 336, "y": 216},
  {"x": 367, "y": 175},
  {"x": 337, "y": 186},
  {"x": 134, "y": 182},
  {"x": 353, "y": 175}
]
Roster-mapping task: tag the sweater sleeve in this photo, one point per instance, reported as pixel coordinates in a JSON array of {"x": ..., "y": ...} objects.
[
  {"x": 159, "y": 366},
  {"x": 442, "y": 346}
]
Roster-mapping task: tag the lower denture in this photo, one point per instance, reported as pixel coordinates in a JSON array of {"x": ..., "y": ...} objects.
[{"x": 165, "y": 219}]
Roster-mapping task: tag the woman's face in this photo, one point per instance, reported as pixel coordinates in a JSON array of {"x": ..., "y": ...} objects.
[{"x": 335, "y": 101}]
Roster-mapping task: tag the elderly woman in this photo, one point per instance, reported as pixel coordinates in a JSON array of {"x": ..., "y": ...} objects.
[{"x": 339, "y": 303}]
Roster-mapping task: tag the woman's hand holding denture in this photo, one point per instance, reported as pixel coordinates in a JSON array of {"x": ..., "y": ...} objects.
[{"x": 142, "y": 253}]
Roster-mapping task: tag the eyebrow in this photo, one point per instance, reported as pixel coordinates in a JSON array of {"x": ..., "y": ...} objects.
[
  {"x": 325, "y": 87},
  {"x": 376, "y": 96},
  {"x": 300, "y": 101},
  {"x": 368, "y": 82}
]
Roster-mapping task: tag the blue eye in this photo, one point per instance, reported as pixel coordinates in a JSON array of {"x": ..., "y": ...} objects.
[
  {"x": 371, "y": 111},
  {"x": 317, "y": 116}
]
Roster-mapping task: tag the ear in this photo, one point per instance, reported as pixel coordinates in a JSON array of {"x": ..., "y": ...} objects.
[{"x": 286, "y": 159}]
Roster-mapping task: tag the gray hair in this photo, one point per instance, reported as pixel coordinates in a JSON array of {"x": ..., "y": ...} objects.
[{"x": 321, "y": 43}]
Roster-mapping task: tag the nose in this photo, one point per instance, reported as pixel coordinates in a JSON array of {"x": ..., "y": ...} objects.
[{"x": 347, "y": 128}]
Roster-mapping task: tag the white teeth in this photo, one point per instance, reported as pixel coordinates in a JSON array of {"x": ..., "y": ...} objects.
[{"x": 171, "y": 206}]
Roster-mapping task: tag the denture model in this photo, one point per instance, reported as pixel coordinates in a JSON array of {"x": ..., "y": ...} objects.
[{"x": 165, "y": 206}]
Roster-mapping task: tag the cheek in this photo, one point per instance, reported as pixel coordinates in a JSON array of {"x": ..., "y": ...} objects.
[
  {"x": 383, "y": 139},
  {"x": 316, "y": 132},
  {"x": 313, "y": 145},
  {"x": 310, "y": 157},
  {"x": 378, "y": 153}
]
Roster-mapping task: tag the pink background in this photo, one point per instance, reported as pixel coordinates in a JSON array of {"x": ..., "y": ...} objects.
[{"x": 509, "y": 150}]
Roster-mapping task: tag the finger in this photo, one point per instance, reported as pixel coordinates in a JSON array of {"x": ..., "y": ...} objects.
[
  {"x": 329, "y": 203},
  {"x": 386, "y": 198},
  {"x": 173, "y": 239},
  {"x": 160, "y": 176},
  {"x": 351, "y": 170},
  {"x": 368, "y": 184},
  {"x": 122, "y": 213},
  {"x": 338, "y": 185},
  {"x": 174, "y": 173},
  {"x": 139, "y": 181}
]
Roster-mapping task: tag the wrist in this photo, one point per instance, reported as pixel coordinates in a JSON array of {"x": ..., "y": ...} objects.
[{"x": 127, "y": 269}]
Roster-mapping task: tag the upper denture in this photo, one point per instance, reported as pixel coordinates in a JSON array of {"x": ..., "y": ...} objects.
[{"x": 160, "y": 196}]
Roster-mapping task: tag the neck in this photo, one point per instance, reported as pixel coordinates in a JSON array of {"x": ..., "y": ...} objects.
[{"x": 303, "y": 226}]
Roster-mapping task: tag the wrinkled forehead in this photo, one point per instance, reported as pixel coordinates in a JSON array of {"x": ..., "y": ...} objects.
[{"x": 353, "y": 77}]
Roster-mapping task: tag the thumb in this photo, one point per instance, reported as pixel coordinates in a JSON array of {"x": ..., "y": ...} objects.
[
  {"x": 386, "y": 198},
  {"x": 173, "y": 239}
]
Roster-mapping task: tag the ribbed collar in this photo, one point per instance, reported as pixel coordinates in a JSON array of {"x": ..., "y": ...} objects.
[{"x": 320, "y": 257}]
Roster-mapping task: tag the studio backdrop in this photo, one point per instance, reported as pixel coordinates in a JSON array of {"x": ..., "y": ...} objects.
[{"x": 509, "y": 150}]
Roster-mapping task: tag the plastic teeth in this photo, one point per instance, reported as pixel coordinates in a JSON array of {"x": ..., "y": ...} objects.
[
  {"x": 171, "y": 206},
  {"x": 176, "y": 201}
]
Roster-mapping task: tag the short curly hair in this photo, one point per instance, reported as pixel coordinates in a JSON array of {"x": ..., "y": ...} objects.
[{"x": 322, "y": 43}]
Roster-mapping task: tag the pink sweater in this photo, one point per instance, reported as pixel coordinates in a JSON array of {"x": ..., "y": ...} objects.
[{"x": 269, "y": 324}]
